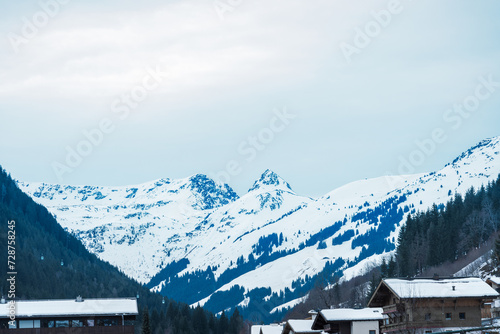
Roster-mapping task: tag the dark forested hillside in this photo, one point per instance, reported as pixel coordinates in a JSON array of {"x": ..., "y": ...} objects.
[
  {"x": 442, "y": 234},
  {"x": 51, "y": 263}
]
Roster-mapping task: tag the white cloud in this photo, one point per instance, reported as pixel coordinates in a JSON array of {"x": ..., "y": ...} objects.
[{"x": 226, "y": 76}]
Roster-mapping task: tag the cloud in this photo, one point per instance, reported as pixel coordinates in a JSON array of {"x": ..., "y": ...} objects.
[{"x": 226, "y": 76}]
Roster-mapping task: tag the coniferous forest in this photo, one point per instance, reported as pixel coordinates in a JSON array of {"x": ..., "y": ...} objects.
[
  {"x": 443, "y": 234},
  {"x": 51, "y": 263}
]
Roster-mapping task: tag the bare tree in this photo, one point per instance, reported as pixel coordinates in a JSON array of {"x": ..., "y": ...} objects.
[{"x": 324, "y": 290}]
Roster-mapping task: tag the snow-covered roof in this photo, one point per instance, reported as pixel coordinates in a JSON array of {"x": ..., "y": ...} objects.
[
  {"x": 440, "y": 288},
  {"x": 255, "y": 329},
  {"x": 70, "y": 307},
  {"x": 494, "y": 279},
  {"x": 349, "y": 314},
  {"x": 302, "y": 326},
  {"x": 272, "y": 329}
]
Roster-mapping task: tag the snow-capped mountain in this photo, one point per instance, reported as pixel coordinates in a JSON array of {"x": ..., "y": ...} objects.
[{"x": 195, "y": 240}]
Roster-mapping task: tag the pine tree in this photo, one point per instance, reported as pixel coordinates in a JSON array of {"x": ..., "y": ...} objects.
[
  {"x": 200, "y": 323},
  {"x": 223, "y": 324},
  {"x": 392, "y": 268},
  {"x": 146, "y": 328},
  {"x": 155, "y": 322},
  {"x": 373, "y": 286},
  {"x": 384, "y": 270},
  {"x": 336, "y": 293},
  {"x": 496, "y": 256},
  {"x": 235, "y": 322}
]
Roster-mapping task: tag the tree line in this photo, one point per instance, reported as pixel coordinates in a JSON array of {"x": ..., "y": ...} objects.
[{"x": 443, "y": 234}]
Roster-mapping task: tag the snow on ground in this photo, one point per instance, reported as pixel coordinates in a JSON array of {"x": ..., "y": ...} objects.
[
  {"x": 288, "y": 305},
  {"x": 365, "y": 266},
  {"x": 474, "y": 268}
]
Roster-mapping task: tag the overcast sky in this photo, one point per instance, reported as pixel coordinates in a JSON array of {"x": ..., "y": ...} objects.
[{"x": 322, "y": 92}]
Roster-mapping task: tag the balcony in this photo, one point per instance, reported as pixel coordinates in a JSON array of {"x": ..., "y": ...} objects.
[{"x": 394, "y": 308}]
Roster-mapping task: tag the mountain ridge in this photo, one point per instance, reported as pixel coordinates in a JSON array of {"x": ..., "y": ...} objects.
[{"x": 282, "y": 239}]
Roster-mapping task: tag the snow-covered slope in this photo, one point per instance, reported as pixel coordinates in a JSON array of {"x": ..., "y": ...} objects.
[
  {"x": 134, "y": 227},
  {"x": 196, "y": 240}
]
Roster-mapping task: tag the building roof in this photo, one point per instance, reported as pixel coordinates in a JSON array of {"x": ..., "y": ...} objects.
[
  {"x": 302, "y": 326},
  {"x": 349, "y": 314},
  {"x": 70, "y": 307},
  {"x": 271, "y": 329},
  {"x": 440, "y": 288},
  {"x": 494, "y": 279},
  {"x": 255, "y": 329}
]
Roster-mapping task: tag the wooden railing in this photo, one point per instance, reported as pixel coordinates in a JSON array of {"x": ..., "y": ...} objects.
[
  {"x": 400, "y": 308},
  {"x": 72, "y": 330}
]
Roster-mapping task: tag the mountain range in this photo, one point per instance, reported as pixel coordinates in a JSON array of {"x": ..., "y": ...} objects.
[{"x": 197, "y": 241}]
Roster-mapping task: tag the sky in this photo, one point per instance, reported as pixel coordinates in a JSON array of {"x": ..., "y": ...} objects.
[{"x": 322, "y": 92}]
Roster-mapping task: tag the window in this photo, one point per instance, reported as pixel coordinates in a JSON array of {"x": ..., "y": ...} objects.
[
  {"x": 427, "y": 332},
  {"x": 448, "y": 316},
  {"x": 461, "y": 315},
  {"x": 62, "y": 323},
  {"x": 129, "y": 322},
  {"x": 76, "y": 323},
  {"x": 427, "y": 317},
  {"x": 372, "y": 331},
  {"x": 25, "y": 323},
  {"x": 110, "y": 322},
  {"x": 4, "y": 324},
  {"x": 47, "y": 323}
]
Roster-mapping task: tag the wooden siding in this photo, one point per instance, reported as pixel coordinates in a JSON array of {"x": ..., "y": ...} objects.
[{"x": 432, "y": 313}]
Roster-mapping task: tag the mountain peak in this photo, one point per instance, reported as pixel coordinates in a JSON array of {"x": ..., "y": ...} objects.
[
  {"x": 270, "y": 179},
  {"x": 485, "y": 149},
  {"x": 211, "y": 193}
]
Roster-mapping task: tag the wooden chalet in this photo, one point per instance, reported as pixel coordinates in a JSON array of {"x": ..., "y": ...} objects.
[
  {"x": 78, "y": 316},
  {"x": 349, "y": 321},
  {"x": 494, "y": 282},
  {"x": 431, "y": 305}
]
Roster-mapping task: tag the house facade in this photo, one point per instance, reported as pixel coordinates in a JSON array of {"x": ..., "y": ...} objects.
[
  {"x": 349, "y": 321},
  {"x": 79, "y": 316},
  {"x": 431, "y": 305},
  {"x": 494, "y": 282}
]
